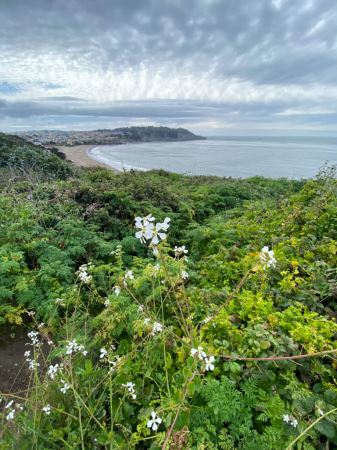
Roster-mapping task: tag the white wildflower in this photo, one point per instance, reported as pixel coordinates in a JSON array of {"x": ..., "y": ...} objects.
[
  {"x": 140, "y": 308},
  {"x": 46, "y": 409},
  {"x": 60, "y": 301},
  {"x": 83, "y": 275},
  {"x": 117, "y": 290},
  {"x": 128, "y": 274},
  {"x": 103, "y": 353},
  {"x": 154, "y": 421},
  {"x": 201, "y": 353},
  {"x": 19, "y": 406},
  {"x": 66, "y": 386},
  {"x": 146, "y": 321},
  {"x": 27, "y": 354},
  {"x": 156, "y": 270},
  {"x": 10, "y": 416},
  {"x": 32, "y": 335},
  {"x": 41, "y": 325},
  {"x": 267, "y": 257},
  {"x": 146, "y": 228},
  {"x": 73, "y": 347},
  {"x": 286, "y": 418},
  {"x": 178, "y": 250},
  {"x": 294, "y": 422},
  {"x": 32, "y": 364},
  {"x": 53, "y": 370},
  {"x": 130, "y": 387},
  {"x": 209, "y": 361},
  {"x": 9, "y": 404},
  {"x": 184, "y": 275},
  {"x": 107, "y": 303},
  {"x": 156, "y": 232},
  {"x": 157, "y": 328},
  {"x": 208, "y": 319}
]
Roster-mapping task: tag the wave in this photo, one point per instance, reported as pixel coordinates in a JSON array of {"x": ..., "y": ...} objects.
[{"x": 95, "y": 154}]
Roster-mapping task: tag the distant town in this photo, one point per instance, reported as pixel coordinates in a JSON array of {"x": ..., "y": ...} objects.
[
  {"x": 56, "y": 137},
  {"x": 50, "y": 138}
]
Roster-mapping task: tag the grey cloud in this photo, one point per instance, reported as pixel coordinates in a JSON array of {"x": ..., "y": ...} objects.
[{"x": 251, "y": 40}]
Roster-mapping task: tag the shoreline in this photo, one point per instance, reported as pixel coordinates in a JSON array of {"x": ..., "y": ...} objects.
[{"x": 79, "y": 156}]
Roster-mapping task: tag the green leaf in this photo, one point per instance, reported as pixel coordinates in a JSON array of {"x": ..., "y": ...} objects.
[
  {"x": 234, "y": 367},
  {"x": 264, "y": 345},
  {"x": 103, "y": 439},
  {"x": 191, "y": 388}
]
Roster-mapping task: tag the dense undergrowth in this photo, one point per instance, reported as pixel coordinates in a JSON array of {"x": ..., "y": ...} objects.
[{"x": 125, "y": 325}]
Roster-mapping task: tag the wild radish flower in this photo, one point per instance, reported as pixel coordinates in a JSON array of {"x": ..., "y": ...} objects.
[
  {"x": 29, "y": 196},
  {"x": 209, "y": 361},
  {"x": 267, "y": 257},
  {"x": 201, "y": 353},
  {"x": 19, "y": 406},
  {"x": 59, "y": 194},
  {"x": 140, "y": 308},
  {"x": 31, "y": 313},
  {"x": 60, "y": 301},
  {"x": 32, "y": 335},
  {"x": 53, "y": 370},
  {"x": 117, "y": 290},
  {"x": 103, "y": 353},
  {"x": 10, "y": 416},
  {"x": 184, "y": 275},
  {"x": 157, "y": 328},
  {"x": 66, "y": 386},
  {"x": 294, "y": 422},
  {"x": 130, "y": 387},
  {"x": 146, "y": 219},
  {"x": 73, "y": 347},
  {"x": 146, "y": 229},
  {"x": 208, "y": 319},
  {"x": 128, "y": 275},
  {"x": 156, "y": 270},
  {"x": 9, "y": 404},
  {"x": 32, "y": 364},
  {"x": 154, "y": 422},
  {"x": 178, "y": 250},
  {"x": 156, "y": 232},
  {"x": 41, "y": 325},
  {"x": 146, "y": 321},
  {"x": 83, "y": 275},
  {"x": 46, "y": 409},
  {"x": 107, "y": 303}
]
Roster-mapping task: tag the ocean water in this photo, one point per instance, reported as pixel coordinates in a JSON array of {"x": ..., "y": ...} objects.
[{"x": 292, "y": 157}]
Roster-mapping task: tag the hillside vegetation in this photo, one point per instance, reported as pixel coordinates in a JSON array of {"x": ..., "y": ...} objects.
[
  {"x": 213, "y": 327},
  {"x": 159, "y": 134}
]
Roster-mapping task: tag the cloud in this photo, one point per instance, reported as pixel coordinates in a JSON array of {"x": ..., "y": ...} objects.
[{"x": 157, "y": 61}]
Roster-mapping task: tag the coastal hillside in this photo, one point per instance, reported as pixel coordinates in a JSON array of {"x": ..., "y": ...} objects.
[
  {"x": 150, "y": 133},
  {"x": 164, "y": 311}
]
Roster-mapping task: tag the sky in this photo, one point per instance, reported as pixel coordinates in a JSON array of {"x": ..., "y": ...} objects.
[{"x": 215, "y": 67}]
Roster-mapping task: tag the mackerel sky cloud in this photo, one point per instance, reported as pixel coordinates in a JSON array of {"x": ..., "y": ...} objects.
[{"x": 213, "y": 66}]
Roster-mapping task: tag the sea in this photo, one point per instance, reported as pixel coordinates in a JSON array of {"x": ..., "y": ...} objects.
[{"x": 230, "y": 156}]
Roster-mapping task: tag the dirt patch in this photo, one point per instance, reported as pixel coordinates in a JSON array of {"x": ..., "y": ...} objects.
[{"x": 14, "y": 370}]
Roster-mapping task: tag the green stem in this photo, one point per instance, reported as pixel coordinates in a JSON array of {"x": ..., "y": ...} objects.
[{"x": 307, "y": 429}]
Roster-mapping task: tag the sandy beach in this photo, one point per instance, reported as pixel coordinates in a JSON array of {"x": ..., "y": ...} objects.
[{"x": 79, "y": 156}]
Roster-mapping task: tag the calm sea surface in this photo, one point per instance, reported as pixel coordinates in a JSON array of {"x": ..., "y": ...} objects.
[{"x": 293, "y": 157}]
